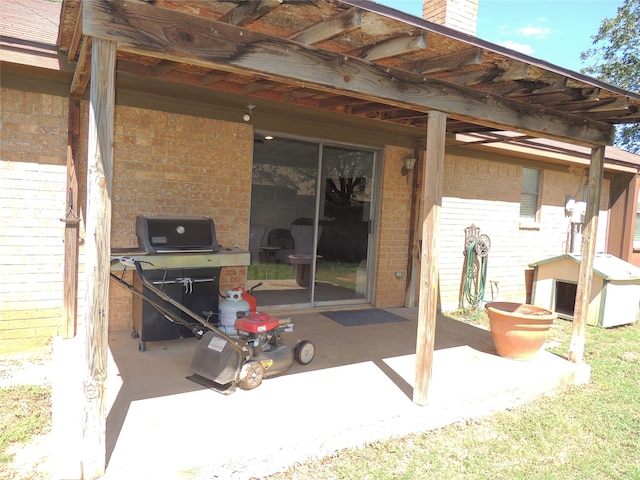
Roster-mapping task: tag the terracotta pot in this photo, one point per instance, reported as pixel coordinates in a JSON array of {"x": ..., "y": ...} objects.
[{"x": 519, "y": 330}]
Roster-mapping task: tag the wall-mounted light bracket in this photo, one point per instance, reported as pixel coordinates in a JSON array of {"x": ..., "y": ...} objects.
[{"x": 409, "y": 163}]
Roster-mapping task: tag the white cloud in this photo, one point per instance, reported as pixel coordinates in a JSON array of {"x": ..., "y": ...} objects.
[
  {"x": 519, "y": 47},
  {"x": 531, "y": 31}
]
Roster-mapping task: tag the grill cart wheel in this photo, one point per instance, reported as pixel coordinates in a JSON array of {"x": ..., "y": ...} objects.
[
  {"x": 305, "y": 352},
  {"x": 251, "y": 375}
]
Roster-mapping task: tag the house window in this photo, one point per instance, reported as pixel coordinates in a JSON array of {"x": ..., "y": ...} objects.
[
  {"x": 636, "y": 236},
  {"x": 530, "y": 193}
]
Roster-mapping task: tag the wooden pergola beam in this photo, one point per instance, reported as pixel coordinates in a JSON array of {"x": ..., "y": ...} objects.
[
  {"x": 76, "y": 38},
  {"x": 212, "y": 77},
  {"x": 82, "y": 73},
  {"x": 497, "y": 74},
  {"x": 162, "y": 68},
  {"x": 450, "y": 61},
  {"x": 396, "y": 46},
  {"x": 147, "y": 30},
  {"x": 329, "y": 28},
  {"x": 249, "y": 11}
]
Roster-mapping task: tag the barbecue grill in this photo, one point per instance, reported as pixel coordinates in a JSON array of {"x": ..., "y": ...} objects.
[{"x": 181, "y": 257}]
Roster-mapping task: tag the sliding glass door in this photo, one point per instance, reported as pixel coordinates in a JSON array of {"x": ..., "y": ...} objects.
[
  {"x": 311, "y": 208},
  {"x": 347, "y": 177}
]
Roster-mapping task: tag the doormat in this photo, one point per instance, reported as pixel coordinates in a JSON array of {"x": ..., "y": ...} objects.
[{"x": 371, "y": 316}]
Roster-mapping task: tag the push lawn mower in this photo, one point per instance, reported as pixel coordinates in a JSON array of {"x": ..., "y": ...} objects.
[{"x": 222, "y": 361}]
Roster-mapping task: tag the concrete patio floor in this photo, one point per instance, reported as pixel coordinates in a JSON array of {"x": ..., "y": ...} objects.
[{"x": 358, "y": 389}]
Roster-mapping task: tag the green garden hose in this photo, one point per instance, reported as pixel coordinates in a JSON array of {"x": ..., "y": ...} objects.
[{"x": 475, "y": 281}]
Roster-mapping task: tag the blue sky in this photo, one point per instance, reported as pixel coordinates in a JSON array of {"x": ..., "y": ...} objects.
[{"x": 556, "y": 31}]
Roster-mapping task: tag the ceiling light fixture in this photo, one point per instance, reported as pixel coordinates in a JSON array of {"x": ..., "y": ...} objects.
[{"x": 247, "y": 116}]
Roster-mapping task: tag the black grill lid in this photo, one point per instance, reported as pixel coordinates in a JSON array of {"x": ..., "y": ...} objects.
[{"x": 172, "y": 234}]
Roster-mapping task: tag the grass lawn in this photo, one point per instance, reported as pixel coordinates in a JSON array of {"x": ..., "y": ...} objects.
[
  {"x": 586, "y": 432},
  {"x": 338, "y": 273},
  {"x": 25, "y": 411}
]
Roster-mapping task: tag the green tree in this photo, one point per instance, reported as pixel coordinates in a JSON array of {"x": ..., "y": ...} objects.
[{"x": 615, "y": 58}]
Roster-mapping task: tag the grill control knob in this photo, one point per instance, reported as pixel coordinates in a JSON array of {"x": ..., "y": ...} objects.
[{"x": 180, "y": 229}]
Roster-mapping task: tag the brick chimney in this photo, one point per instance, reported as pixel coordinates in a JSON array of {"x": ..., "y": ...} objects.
[{"x": 459, "y": 14}]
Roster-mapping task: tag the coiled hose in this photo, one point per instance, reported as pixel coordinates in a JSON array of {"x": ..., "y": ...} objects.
[{"x": 476, "y": 279}]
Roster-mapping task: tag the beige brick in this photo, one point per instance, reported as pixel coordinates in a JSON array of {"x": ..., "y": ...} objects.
[{"x": 21, "y": 345}]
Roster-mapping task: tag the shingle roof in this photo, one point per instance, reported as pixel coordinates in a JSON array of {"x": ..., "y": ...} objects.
[{"x": 30, "y": 23}]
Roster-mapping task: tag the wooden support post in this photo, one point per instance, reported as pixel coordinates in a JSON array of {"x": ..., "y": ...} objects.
[
  {"x": 585, "y": 274},
  {"x": 428, "y": 301},
  {"x": 415, "y": 235},
  {"x": 97, "y": 254},
  {"x": 72, "y": 226}
]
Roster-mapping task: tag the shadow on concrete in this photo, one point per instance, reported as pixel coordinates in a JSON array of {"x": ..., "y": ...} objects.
[
  {"x": 162, "y": 369},
  {"x": 358, "y": 389}
]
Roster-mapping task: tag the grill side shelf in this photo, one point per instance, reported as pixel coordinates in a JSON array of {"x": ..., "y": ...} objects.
[{"x": 233, "y": 258}]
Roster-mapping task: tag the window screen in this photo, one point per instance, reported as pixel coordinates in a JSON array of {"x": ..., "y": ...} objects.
[{"x": 530, "y": 193}]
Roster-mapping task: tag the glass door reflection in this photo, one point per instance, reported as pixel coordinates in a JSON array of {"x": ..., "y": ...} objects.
[
  {"x": 347, "y": 181},
  {"x": 310, "y": 217}
]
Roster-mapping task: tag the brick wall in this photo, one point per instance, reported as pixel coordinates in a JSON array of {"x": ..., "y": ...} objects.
[
  {"x": 171, "y": 164},
  {"x": 487, "y": 193},
  {"x": 395, "y": 216},
  {"x": 459, "y": 14},
  {"x": 33, "y": 138}
]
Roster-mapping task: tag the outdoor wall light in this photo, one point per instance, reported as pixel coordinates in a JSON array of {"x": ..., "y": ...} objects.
[
  {"x": 247, "y": 116},
  {"x": 409, "y": 163}
]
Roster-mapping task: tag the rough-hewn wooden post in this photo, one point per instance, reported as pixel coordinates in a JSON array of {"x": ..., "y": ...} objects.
[
  {"x": 415, "y": 232},
  {"x": 97, "y": 254},
  {"x": 432, "y": 200},
  {"x": 72, "y": 226},
  {"x": 585, "y": 274}
]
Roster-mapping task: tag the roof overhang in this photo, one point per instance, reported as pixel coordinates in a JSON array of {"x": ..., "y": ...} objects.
[{"x": 350, "y": 57}]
